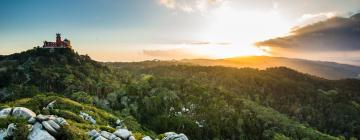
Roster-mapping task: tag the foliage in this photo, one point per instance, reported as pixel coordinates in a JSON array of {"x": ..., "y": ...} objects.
[{"x": 202, "y": 102}]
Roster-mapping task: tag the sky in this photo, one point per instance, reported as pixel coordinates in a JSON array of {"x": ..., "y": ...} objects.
[{"x": 135, "y": 30}]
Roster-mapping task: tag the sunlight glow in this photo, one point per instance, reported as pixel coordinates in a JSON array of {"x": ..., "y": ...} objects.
[{"x": 241, "y": 29}]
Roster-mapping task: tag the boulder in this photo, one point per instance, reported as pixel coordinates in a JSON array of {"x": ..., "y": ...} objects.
[
  {"x": 3, "y": 134},
  {"x": 23, "y": 112},
  {"x": 49, "y": 128},
  {"x": 61, "y": 121},
  {"x": 131, "y": 138},
  {"x": 174, "y": 136},
  {"x": 100, "y": 138},
  {"x": 51, "y": 105},
  {"x": 42, "y": 118},
  {"x": 105, "y": 134},
  {"x": 114, "y": 137},
  {"x": 37, "y": 133},
  {"x": 5, "y": 112},
  {"x": 54, "y": 125},
  {"x": 123, "y": 133},
  {"x": 87, "y": 117},
  {"x": 32, "y": 120},
  {"x": 93, "y": 133},
  {"x": 11, "y": 129},
  {"x": 146, "y": 138}
]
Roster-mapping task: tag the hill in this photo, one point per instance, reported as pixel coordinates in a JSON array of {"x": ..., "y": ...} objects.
[
  {"x": 203, "y": 102},
  {"x": 328, "y": 70}
]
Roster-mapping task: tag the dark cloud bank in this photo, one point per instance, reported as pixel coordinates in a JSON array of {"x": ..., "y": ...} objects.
[
  {"x": 331, "y": 35},
  {"x": 337, "y": 35}
]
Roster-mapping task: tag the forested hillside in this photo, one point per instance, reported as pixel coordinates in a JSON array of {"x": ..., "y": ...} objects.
[
  {"x": 328, "y": 70},
  {"x": 203, "y": 102}
]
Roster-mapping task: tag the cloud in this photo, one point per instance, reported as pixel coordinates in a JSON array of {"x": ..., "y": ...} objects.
[
  {"x": 334, "y": 34},
  {"x": 336, "y": 37},
  {"x": 191, "y": 5}
]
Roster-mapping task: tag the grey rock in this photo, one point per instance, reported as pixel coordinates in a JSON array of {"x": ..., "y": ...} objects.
[
  {"x": 123, "y": 133},
  {"x": 48, "y": 127},
  {"x": 174, "y": 136},
  {"x": 105, "y": 134},
  {"x": 114, "y": 137},
  {"x": 3, "y": 134},
  {"x": 54, "y": 125},
  {"x": 37, "y": 133},
  {"x": 11, "y": 129},
  {"x": 119, "y": 122},
  {"x": 146, "y": 138},
  {"x": 22, "y": 112},
  {"x": 42, "y": 118},
  {"x": 51, "y": 105},
  {"x": 61, "y": 121},
  {"x": 32, "y": 120},
  {"x": 5, "y": 112},
  {"x": 131, "y": 138},
  {"x": 93, "y": 133},
  {"x": 87, "y": 117},
  {"x": 100, "y": 138}
]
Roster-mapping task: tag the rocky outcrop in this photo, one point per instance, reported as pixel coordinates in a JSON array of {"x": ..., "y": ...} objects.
[
  {"x": 119, "y": 134},
  {"x": 4, "y": 133},
  {"x": 38, "y": 133},
  {"x": 43, "y": 127},
  {"x": 22, "y": 112},
  {"x": 5, "y": 112},
  {"x": 174, "y": 136}
]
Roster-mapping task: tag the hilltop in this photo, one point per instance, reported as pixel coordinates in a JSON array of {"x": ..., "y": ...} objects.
[{"x": 203, "y": 102}]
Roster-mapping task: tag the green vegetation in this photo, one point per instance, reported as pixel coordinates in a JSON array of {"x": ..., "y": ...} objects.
[{"x": 201, "y": 102}]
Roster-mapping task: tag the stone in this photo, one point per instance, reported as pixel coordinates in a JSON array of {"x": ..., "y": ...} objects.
[
  {"x": 61, "y": 121},
  {"x": 54, "y": 125},
  {"x": 174, "y": 136},
  {"x": 42, "y": 118},
  {"x": 5, "y": 112},
  {"x": 11, "y": 129},
  {"x": 48, "y": 127},
  {"x": 37, "y": 133},
  {"x": 119, "y": 122},
  {"x": 131, "y": 138},
  {"x": 100, "y": 138},
  {"x": 114, "y": 137},
  {"x": 93, "y": 133},
  {"x": 105, "y": 134},
  {"x": 123, "y": 133},
  {"x": 23, "y": 112},
  {"x": 146, "y": 138},
  {"x": 32, "y": 120},
  {"x": 87, "y": 117},
  {"x": 51, "y": 105},
  {"x": 3, "y": 134}
]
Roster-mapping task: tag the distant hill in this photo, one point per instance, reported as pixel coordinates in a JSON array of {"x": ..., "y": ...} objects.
[{"x": 328, "y": 70}]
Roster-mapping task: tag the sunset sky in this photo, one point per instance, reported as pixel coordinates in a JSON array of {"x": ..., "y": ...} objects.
[{"x": 134, "y": 30}]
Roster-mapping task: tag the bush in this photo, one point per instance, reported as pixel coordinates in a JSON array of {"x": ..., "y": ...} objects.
[
  {"x": 21, "y": 131},
  {"x": 69, "y": 132}
]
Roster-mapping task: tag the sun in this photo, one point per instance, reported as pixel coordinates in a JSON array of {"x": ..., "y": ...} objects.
[{"x": 241, "y": 29}]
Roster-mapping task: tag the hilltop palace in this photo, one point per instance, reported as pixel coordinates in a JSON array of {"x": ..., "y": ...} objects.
[{"x": 58, "y": 44}]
